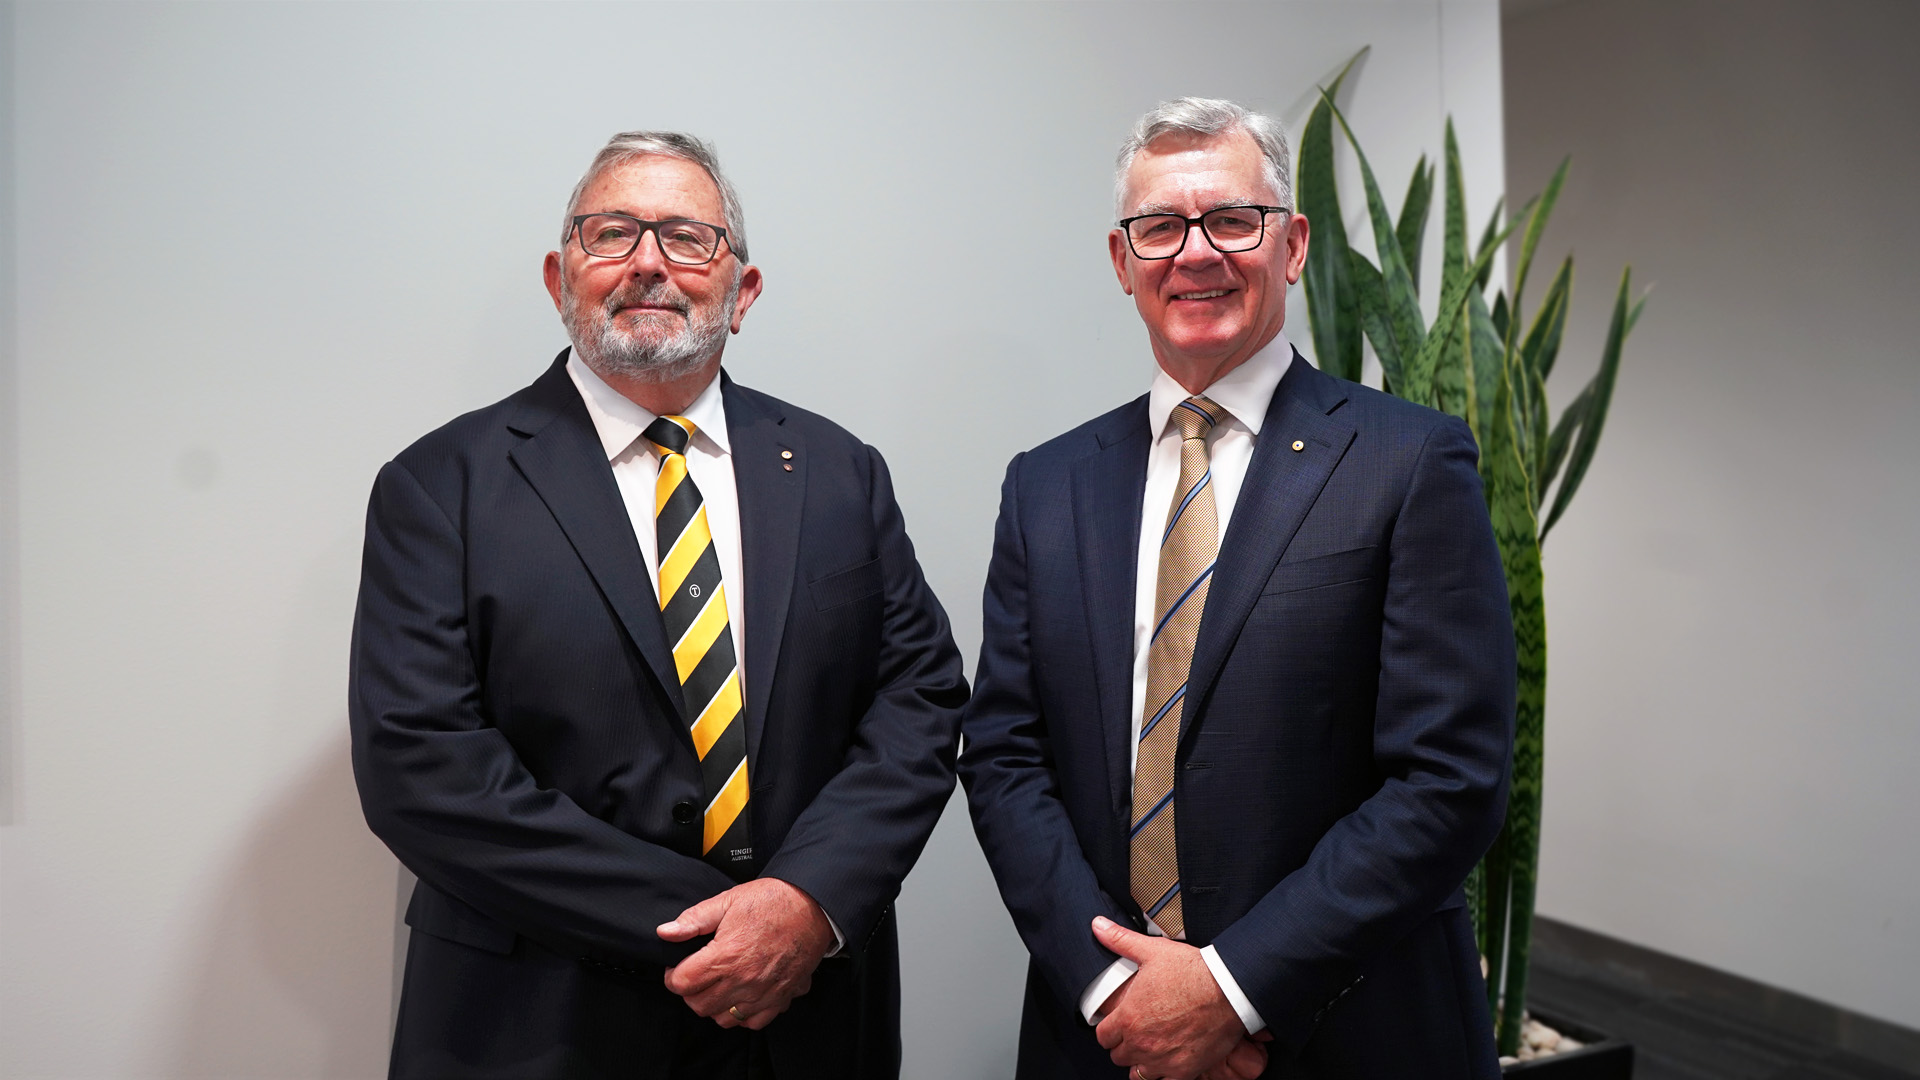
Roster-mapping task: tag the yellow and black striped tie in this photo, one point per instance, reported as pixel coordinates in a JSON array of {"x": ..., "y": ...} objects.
[
  {"x": 693, "y": 603},
  {"x": 1187, "y": 549}
]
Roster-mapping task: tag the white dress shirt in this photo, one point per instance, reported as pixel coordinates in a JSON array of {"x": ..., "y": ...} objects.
[
  {"x": 622, "y": 426},
  {"x": 1244, "y": 393}
]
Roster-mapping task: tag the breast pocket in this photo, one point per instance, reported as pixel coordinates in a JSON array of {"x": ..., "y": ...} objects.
[
  {"x": 843, "y": 587},
  {"x": 1324, "y": 571}
]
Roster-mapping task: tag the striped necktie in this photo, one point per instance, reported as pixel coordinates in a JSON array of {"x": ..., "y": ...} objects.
[
  {"x": 1187, "y": 548},
  {"x": 693, "y": 603}
]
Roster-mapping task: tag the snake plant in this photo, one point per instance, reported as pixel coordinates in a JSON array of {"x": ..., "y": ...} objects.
[{"x": 1481, "y": 361}]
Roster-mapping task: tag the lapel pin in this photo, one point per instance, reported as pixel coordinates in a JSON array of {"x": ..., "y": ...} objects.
[
  {"x": 1298, "y": 446},
  {"x": 787, "y": 454}
]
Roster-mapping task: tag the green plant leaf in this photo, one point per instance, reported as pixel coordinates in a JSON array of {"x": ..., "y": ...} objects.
[
  {"x": 1412, "y": 228},
  {"x": 1542, "y": 208},
  {"x": 1510, "y": 506},
  {"x": 1495, "y": 897},
  {"x": 1499, "y": 311},
  {"x": 1542, "y": 346},
  {"x": 1634, "y": 315},
  {"x": 1447, "y": 323},
  {"x": 1402, "y": 303},
  {"x": 1332, "y": 306},
  {"x": 1454, "y": 381},
  {"x": 1595, "y": 420},
  {"x": 1371, "y": 310},
  {"x": 1486, "y": 239},
  {"x": 1489, "y": 360},
  {"x": 1561, "y": 440},
  {"x": 1453, "y": 260}
]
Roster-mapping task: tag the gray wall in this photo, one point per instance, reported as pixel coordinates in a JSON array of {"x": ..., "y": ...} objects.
[
  {"x": 263, "y": 247},
  {"x": 9, "y": 446},
  {"x": 1732, "y": 720}
]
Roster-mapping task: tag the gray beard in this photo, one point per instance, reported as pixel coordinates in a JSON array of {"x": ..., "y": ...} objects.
[{"x": 640, "y": 351}]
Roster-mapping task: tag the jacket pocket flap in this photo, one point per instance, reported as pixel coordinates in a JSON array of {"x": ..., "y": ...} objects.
[
  {"x": 1322, "y": 570},
  {"x": 434, "y": 912},
  {"x": 846, "y": 586}
]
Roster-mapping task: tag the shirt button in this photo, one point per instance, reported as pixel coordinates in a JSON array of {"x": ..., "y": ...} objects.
[{"x": 684, "y": 813}]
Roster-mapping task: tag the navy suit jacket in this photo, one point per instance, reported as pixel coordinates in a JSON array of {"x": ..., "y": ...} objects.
[
  {"x": 1343, "y": 759},
  {"x": 520, "y": 741}
]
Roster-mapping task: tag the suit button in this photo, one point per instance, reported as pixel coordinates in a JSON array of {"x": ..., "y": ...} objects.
[{"x": 684, "y": 813}]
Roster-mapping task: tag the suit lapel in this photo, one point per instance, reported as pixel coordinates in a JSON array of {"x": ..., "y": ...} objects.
[
  {"x": 563, "y": 460},
  {"x": 1107, "y": 488},
  {"x": 1281, "y": 486},
  {"x": 771, "y": 498}
]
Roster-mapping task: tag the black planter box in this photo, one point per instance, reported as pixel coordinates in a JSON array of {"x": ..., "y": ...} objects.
[{"x": 1603, "y": 1057}]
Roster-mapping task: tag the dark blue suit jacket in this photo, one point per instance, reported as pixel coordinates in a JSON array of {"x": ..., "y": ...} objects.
[
  {"x": 1343, "y": 759},
  {"x": 521, "y": 744}
]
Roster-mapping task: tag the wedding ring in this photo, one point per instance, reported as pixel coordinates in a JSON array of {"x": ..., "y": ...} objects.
[{"x": 735, "y": 1010}]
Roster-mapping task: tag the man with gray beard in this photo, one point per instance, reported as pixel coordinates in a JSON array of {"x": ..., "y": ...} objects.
[{"x": 647, "y": 687}]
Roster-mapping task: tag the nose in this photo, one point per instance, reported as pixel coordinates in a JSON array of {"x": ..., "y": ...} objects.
[
  {"x": 647, "y": 261},
  {"x": 1198, "y": 252}
]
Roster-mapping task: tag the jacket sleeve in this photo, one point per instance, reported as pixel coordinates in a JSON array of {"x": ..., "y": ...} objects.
[
  {"x": 1442, "y": 735},
  {"x": 852, "y": 846},
  {"x": 446, "y": 791},
  {"x": 1012, "y": 786}
]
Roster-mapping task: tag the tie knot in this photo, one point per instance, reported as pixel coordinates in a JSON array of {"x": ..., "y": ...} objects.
[
  {"x": 670, "y": 433},
  {"x": 1195, "y": 417}
]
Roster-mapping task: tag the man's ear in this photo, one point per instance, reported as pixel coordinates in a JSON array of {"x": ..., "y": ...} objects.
[
  {"x": 550, "y": 269},
  {"x": 1117, "y": 249},
  {"x": 750, "y": 285},
  {"x": 1298, "y": 229}
]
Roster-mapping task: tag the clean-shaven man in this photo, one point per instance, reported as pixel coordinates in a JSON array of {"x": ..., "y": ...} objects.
[
  {"x": 647, "y": 687},
  {"x": 1242, "y": 718}
]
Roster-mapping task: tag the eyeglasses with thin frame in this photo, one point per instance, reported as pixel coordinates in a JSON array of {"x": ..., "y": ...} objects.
[
  {"x": 681, "y": 240},
  {"x": 1229, "y": 229}
]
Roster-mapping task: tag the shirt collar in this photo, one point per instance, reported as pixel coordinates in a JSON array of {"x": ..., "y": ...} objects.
[
  {"x": 618, "y": 421},
  {"x": 1245, "y": 392}
]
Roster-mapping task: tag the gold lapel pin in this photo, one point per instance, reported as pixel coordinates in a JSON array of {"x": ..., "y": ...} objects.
[{"x": 1298, "y": 445}]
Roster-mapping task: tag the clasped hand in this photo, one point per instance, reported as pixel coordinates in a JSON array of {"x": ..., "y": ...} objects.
[
  {"x": 1170, "y": 1020},
  {"x": 768, "y": 937}
]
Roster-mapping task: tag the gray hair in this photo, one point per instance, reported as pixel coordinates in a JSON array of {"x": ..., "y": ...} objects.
[
  {"x": 629, "y": 145},
  {"x": 1206, "y": 117}
]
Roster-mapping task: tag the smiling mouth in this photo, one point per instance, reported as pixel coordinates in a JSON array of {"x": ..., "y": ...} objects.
[{"x": 1204, "y": 294}]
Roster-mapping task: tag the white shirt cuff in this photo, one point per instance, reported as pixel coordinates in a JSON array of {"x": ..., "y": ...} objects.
[
  {"x": 1248, "y": 1014},
  {"x": 839, "y": 939},
  {"x": 1102, "y": 988}
]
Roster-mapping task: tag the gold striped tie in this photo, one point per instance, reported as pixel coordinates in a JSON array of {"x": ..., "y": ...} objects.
[
  {"x": 693, "y": 603},
  {"x": 1187, "y": 548}
]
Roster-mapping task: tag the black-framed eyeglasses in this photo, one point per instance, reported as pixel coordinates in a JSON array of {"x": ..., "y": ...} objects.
[
  {"x": 615, "y": 236},
  {"x": 1227, "y": 228}
]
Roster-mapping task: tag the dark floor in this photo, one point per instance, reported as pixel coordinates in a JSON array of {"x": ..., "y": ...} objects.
[{"x": 1690, "y": 1023}]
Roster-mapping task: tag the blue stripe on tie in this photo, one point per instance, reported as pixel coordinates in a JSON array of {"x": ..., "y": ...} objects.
[
  {"x": 1157, "y": 807},
  {"x": 1176, "y": 604},
  {"x": 1204, "y": 480},
  {"x": 1177, "y": 695},
  {"x": 1165, "y": 900},
  {"x": 1195, "y": 408}
]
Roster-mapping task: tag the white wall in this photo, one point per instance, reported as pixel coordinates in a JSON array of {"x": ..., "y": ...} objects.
[
  {"x": 263, "y": 247},
  {"x": 1732, "y": 720}
]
